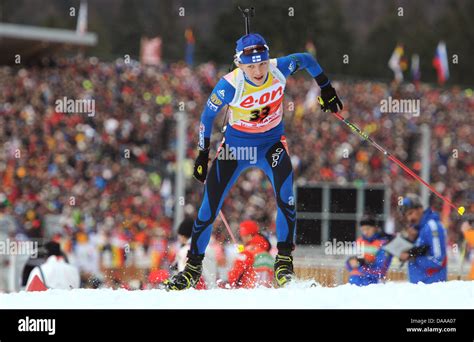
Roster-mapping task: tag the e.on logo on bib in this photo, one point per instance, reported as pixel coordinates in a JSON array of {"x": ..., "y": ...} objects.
[{"x": 261, "y": 98}]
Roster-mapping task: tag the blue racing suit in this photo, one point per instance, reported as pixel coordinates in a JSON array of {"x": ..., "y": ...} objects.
[{"x": 256, "y": 130}]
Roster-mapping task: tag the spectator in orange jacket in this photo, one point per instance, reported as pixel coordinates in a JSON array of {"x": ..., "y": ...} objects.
[
  {"x": 254, "y": 266},
  {"x": 468, "y": 231}
]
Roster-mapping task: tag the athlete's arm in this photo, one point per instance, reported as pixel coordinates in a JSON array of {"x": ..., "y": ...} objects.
[
  {"x": 221, "y": 95},
  {"x": 290, "y": 64}
]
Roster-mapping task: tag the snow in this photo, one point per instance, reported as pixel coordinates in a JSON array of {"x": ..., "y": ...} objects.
[{"x": 300, "y": 295}]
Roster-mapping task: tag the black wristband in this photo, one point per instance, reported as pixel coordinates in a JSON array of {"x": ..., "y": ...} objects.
[{"x": 322, "y": 80}]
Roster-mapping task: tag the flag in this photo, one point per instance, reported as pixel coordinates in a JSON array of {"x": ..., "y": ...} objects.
[
  {"x": 118, "y": 257},
  {"x": 440, "y": 63},
  {"x": 189, "y": 54},
  {"x": 394, "y": 62},
  {"x": 150, "y": 51},
  {"x": 415, "y": 68},
  {"x": 81, "y": 27}
]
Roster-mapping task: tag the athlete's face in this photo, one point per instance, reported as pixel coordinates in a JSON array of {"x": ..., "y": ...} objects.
[{"x": 256, "y": 72}]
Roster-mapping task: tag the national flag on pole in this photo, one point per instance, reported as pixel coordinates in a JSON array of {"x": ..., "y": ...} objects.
[
  {"x": 81, "y": 27},
  {"x": 190, "y": 41},
  {"x": 440, "y": 63},
  {"x": 150, "y": 51},
  {"x": 415, "y": 68},
  {"x": 395, "y": 62}
]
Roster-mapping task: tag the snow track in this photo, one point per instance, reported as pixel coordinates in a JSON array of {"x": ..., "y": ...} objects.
[{"x": 300, "y": 295}]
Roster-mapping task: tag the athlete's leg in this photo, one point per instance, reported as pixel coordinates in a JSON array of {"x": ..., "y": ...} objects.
[
  {"x": 278, "y": 168},
  {"x": 221, "y": 177}
]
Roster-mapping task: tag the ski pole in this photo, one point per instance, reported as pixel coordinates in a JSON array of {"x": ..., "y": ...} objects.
[
  {"x": 240, "y": 248},
  {"x": 390, "y": 156}
]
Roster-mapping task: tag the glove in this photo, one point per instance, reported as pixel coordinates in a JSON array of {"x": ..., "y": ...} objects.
[
  {"x": 200, "y": 165},
  {"x": 418, "y": 251},
  {"x": 329, "y": 100}
]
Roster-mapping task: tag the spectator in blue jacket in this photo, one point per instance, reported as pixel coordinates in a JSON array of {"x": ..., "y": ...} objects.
[
  {"x": 427, "y": 260},
  {"x": 371, "y": 267}
]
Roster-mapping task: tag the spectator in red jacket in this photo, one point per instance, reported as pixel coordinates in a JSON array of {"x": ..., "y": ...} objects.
[{"x": 254, "y": 266}]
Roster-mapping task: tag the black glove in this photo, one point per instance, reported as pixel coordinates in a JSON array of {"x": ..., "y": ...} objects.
[
  {"x": 329, "y": 100},
  {"x": 418, "y": 251},
  {"x": 200, "y": 165}
]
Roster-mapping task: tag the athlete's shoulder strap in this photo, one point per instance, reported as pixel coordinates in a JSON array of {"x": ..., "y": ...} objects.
[
  {"x": 276, "y": 72},
  {"x": 238, "y": 82}
]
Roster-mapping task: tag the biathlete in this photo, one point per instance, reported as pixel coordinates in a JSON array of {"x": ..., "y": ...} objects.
[{"x": 253, "y": 93}]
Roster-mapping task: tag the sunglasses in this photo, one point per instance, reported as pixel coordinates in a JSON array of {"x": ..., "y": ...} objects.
[
  {"x": 250, "y": 50},
  {"x": 254, "y": 49}
]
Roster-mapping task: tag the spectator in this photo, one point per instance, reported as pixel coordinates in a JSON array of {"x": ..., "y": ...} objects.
[
  {"x": 55, "y": 273},
  {"x": 427, "y": 261},
  {"x": 468, "y": 232},
  {"x": 372, "y": 267},
  {"x": 35, "y": 261},
  {"x": 254, "y": 266},
  {"x": 156, "y": 279}
]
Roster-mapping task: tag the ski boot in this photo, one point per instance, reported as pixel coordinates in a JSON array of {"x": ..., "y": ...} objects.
[
  {"x": 187, "y": 278},
  {"x": 284, "y": 266}
]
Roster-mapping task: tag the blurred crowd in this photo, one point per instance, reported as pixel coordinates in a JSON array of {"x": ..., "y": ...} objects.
[{"x": 105, "y": 181}]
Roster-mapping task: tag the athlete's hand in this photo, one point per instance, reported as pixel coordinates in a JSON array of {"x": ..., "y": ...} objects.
[
  {"x": 200, "y": 165},
  {"x": 329, "y": 100}
]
